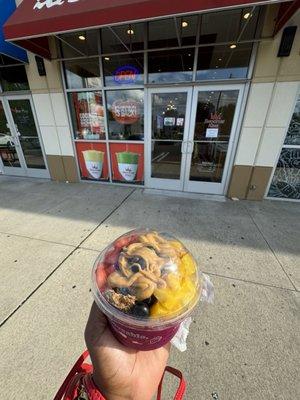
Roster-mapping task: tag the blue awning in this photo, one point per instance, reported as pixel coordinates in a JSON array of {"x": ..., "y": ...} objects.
[{"x": 7, "y": 7}]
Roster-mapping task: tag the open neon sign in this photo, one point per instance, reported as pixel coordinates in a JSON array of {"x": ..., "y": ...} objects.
[{"x": 126, "y": 74}]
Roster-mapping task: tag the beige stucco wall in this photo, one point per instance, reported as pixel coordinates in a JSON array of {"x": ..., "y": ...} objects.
[
  {"x": 270, "y": 104},
  {"x": 51, "y": 110}
]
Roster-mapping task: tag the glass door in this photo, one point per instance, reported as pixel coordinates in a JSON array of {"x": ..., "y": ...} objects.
[
  {"x": 167, "y": 131},
  {"x": 11, "y": 160},
  {"x": 26, "y": 136},
  {"x": 214, "y": 119}
]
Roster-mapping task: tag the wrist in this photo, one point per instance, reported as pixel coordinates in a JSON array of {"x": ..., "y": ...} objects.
[{"x": 108, "y": 394}]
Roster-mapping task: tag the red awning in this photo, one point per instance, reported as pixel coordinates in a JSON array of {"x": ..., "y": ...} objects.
[
  {"x": 31, "y": 20},
  {"x": 35, "y": 18}
]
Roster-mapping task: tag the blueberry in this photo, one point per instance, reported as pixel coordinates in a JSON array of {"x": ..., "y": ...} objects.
[
  {"x": 150, "y": 301},
  {"x": 140, "y": 310},
  {"x": 124, "y": 291},
  {"x": 135, "y": 268}
]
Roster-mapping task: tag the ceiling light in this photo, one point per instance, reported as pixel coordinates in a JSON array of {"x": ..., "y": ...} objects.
[
  {"x": 232, "y": 46},
  {"x": 106, "y": 58},
  {"x": 184, "y": 24},
  {"x": 219, "y": 59},
  {"x": 81, "y": 37},
  {"x": 130, "y": 32},
  {"x": 247, "y": 15}
]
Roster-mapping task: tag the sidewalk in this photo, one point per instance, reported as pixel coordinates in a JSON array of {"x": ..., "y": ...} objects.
[{"x": 244, "y": 347}]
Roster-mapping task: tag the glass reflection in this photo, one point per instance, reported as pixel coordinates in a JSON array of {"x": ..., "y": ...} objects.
[
  {"x": 222, "y": 62},
  {"x": 215, "y": 113},
  {"x": 83, "y": 73},
  {"x": 208, "y": 161},
  {"x": 28, "y": 135},
  {"x": 124, "y": 70},
  {"x": 125, "y": 110},
  {"x": 81, "y": 43},
  {"x": 8, "y": 151},
  {"x": 87, "y": 115},
  {"x": 170, "y": 66},
  {"x": 13, "y": 78},
  {"x": 293, "y": 133},
  {"x": 286, "y": 179},
  {"x": 166, "y": 160},
  {"x": 168, "y": 115},
  {"x": 122, "y": 38}
]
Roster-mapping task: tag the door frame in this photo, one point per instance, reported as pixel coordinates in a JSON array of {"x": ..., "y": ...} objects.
[
  {"x": 24, "y": 170},
  {"x": 158, "y": 183},
  {"x": 217, "y": 188},
  {"x": 19, "y": 171}
]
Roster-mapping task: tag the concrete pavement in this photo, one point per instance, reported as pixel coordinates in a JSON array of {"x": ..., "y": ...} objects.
[{"x": 245, "y": 346}]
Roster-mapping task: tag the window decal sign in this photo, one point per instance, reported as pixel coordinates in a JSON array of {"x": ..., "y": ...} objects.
[
  {"x": 215, "y": 120},
  {"x": 40, "y": 4},
  {"x": 126, "y": 112},
  {"x": 127, "y": 162},
  {"x": 126, "y": 74},
  {"x": 92, "y": 159}
]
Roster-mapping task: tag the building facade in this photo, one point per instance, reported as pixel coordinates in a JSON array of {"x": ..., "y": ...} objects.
[{"x": 197, "y": 102}]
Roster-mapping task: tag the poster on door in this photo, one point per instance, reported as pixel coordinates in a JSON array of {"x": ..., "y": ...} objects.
[
  {"x": 92, "y": 159},
  {"x": 127, "y": 162}
]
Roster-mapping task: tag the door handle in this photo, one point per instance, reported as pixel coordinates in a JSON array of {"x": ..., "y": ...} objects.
[
  {"x": 190, "y": 146},
  {"x": 183, "y": 147}
]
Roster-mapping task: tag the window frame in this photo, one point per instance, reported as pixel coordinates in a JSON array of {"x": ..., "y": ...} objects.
[
  {"x": 103, "y": 88},
  {"x": 283, "y": 146}
]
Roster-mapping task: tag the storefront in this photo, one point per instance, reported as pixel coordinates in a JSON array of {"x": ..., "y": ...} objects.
[
  {"x": 21, "y": 151},
  {"x": 159, "y": 102}
]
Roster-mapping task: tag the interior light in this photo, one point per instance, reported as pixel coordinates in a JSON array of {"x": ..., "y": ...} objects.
[
  {"x": 81, "y": 37},
  {"x": 232, "y": 46},
  {"x": 190, "y": 68},
  {"x": 106, "y": 58},
  {"x": 189, "y": 54},
  {"x": 130, "y": 32},
  {"x": 219, "y": 59},
  {"x": 184, "y": 24},
  {"x": 247, "y": 15}
]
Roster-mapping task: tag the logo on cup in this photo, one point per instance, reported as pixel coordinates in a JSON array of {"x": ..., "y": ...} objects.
[
  {"x": 94, "y": 162},
  {"x": 156, "y": 339},
  {"x": 126, "y": 74},
  {"x": 128, "y": 165}
]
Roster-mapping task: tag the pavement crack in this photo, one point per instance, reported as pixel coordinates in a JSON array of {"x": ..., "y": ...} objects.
[
  {"x": 249, "y": 282},
  {"x": 269, "y": 246},
  {"x": 75, "y": 248}
]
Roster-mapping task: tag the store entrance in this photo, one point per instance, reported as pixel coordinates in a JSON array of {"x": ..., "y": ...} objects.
[
  {"x": 190, "y": 136},
  {"x": 21, "y": 153}
]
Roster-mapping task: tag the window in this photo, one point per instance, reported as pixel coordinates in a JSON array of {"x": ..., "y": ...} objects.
[
  {"x": 125, "y": 114},
  {"x": 124, "y": 70},
  {"x": 117, "y": 39},
  {"x": 82, "y": 73},
  {"x": 81, "y": 43},
  {"x": 172, "y": 32},
  {"x": 286, "y": 179},
  {"x": 87, "y": 115},
  {"x": 223, "y": 62},
  {"x": 170, "y": 66},
  {"x": 227, "y": 26},
  {"x": 13, "y": 78}
]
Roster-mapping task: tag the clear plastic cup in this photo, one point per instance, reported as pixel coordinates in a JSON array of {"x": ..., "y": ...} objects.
[{"x": 146, "y": 283}]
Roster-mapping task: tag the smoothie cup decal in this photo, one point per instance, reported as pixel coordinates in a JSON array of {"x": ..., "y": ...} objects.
[
  {"x": 94, "y": 162},
  {"x": 128, "y": 165}
]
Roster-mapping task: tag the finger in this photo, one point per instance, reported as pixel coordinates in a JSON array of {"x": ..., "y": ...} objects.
[{"x": 95, "y": 326}]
